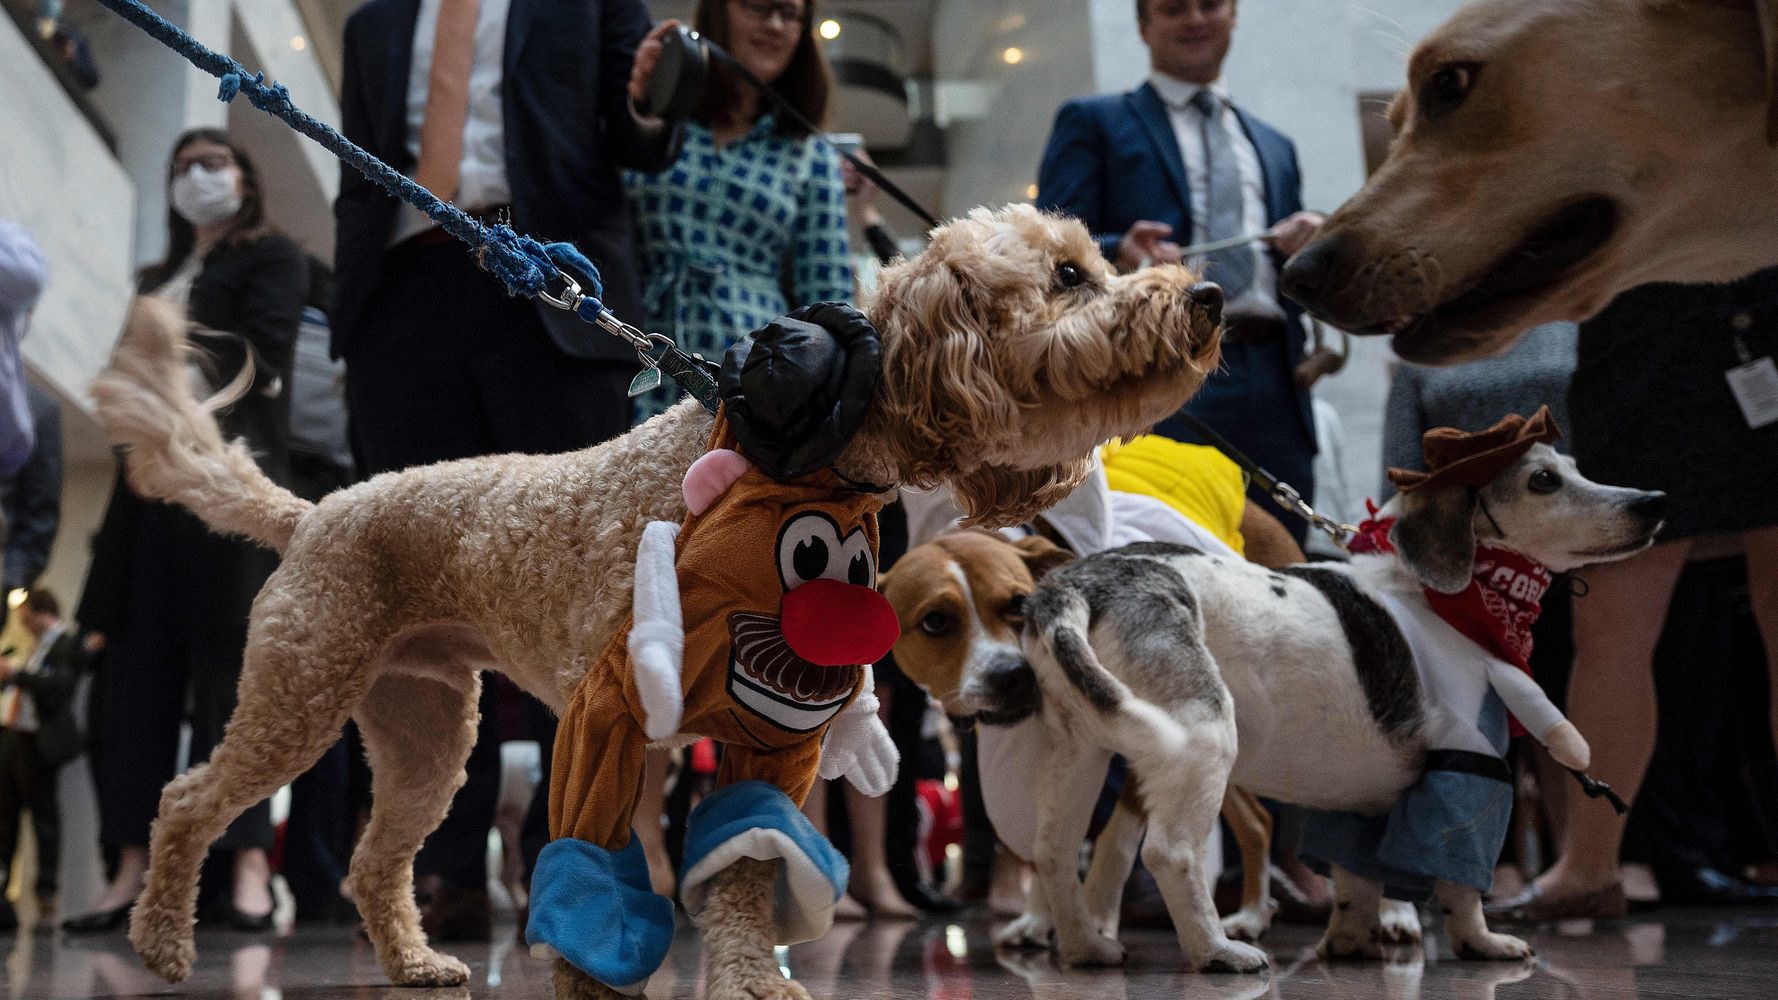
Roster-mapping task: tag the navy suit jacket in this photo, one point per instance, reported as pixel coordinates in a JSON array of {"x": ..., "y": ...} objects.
[
  {"x": 565, "y": 112},
  {"x": 1113, "y": 160}
]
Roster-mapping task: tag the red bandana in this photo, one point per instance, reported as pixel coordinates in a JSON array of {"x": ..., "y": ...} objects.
[{"x": 1497, "y": 609}]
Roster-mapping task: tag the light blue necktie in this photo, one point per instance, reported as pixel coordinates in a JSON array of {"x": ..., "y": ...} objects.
[{"x": 1231, "y": 268}]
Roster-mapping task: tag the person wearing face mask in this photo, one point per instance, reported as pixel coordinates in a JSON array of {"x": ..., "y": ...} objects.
[
  {"x": 750, "y": 221},
  {"x": 165, "y": 599}
]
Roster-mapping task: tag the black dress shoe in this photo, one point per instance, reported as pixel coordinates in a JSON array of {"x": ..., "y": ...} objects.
[
  {"x": 1710, "y": 886},
  {"x": 453, "y": 913},
  {"x": 99, "y": 921},
  {"x": 234, "y": 919},
  {"x": 928, "y": 900}
]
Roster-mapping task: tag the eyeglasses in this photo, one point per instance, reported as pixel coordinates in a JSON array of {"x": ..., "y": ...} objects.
[
  {"x": 764, "y": 11},
  {"x": 211, "y": 162}
]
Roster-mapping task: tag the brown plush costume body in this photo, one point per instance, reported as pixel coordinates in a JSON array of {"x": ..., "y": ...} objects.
[
  {"x": 743, "y": 684},
  {"x": 753, "y": 623}
]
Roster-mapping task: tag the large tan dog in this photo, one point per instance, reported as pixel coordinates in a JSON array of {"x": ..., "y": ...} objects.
[
  {"x": 1010, "y": 351},
  {"x": 1550, "y": 154}
]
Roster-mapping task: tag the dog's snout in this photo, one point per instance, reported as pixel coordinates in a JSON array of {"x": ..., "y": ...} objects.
[
  {"x": 1652, "y": 506},
  {"x": 1308, "y": 276},
  {"x": 1208, "y": 296},
  {"x": 1010, "y": 680},
  {"x": 1009, "y": 691}
]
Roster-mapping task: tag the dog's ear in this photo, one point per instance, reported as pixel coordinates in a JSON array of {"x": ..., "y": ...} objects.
[
  {"x": 1041, "y": 555},
  {"x": 994, "y": 496},
  {"x": 1435, "y": 537},
  {"x": 940, "y": 398}
]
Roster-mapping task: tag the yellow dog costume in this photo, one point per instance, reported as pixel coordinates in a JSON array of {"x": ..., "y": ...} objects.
[{"x": 753, "y": 623}]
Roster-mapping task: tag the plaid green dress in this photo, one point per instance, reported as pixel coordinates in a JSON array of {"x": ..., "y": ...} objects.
[{"x": 723, "y": 230}]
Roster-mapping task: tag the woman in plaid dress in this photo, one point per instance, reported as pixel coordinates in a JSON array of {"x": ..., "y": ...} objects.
[{"x": 750, "y": 221}]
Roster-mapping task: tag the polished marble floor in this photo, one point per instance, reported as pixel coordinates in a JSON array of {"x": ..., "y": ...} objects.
[{"x": 1680, "y": 953}]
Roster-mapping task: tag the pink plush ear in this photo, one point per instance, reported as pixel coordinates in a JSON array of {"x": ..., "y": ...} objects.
[{"x": 711, "y": 476}]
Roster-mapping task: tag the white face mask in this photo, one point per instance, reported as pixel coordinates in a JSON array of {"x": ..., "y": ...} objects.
[{"x": 204, "y": 197}]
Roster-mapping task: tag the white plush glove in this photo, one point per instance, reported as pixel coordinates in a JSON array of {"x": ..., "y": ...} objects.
[
  {"x": 858, "y": 747},
  {"x": 657, "y": 637}
]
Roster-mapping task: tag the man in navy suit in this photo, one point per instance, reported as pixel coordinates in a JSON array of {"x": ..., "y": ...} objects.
[
  {"x": 515, "y": 110},
  {"x": 1175, "y": 163}
]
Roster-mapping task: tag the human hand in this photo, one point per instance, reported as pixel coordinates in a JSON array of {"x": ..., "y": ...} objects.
[
  {"x": 1294, "y": 232},
  {"x": 648, "y": 56},
  {"x": 1145, "y": 243},
  {"x": 861, "y": 192}
]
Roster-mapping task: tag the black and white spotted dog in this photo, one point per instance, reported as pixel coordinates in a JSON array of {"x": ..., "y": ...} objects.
[{"x": 1297, "y": 685}]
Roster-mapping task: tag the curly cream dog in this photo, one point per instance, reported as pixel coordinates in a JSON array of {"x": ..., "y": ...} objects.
[
  {"x": 1010, "y": 351},
  {"x": 1550, "y": 154},
  {"x": 1157, "y": 651}
]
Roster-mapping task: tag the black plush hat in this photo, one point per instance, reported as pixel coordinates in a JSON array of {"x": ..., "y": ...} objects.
[{"x": 797, "y": 390}]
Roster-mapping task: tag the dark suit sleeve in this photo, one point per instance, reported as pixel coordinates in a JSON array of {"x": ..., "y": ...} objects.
[
  {"x": 272, "y": 303},
  {"x": 356, "y": 124},
  {"x": 646, "y": 146},
  {"x": 55, "y": 679},
  {"x": 1071, "y": 178}
]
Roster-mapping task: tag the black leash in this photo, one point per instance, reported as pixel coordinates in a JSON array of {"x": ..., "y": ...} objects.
[{"x": 1280, "y": 492}]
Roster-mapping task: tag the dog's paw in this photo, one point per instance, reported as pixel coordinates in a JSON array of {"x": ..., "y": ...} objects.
[
  {"x": 424, "y": 967},
  {"x": 1235, "y": 956},
  {"x": 170, "y": 958},
  {"x": 1398, "y": 922},
  {"x": 1094, "y": 949},
  {"x": 1250, "y": 923},
  {"x": 1348, "y": 944},
  {"x": 1488, "y": 946},
  {"x": 1028, "y": 931},
  {"x": 763, "y": 983},
  {"x": 573, "y": 984}
]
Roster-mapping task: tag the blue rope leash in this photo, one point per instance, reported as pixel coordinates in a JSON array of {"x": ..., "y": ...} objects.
[{"x": 524, "y": 265}]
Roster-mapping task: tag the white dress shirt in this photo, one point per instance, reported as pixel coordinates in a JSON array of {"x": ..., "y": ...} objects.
[
  {"x": 1188, "y": 124},
  {"x": 481, "y": 180}
]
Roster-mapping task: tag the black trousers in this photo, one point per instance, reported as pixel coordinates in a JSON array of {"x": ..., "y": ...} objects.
[
  {"x": 446, "y": 365},
  {"x": 26, "y": 782},
  {"x": 177, "y": 659}
]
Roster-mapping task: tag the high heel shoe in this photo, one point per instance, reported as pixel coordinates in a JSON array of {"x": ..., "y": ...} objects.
[{"x": 99, "y": 921}]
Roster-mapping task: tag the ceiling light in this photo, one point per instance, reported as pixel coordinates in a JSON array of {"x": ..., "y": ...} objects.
[
  {"x": 1013, "y": 55},
  {"x": 830, "y": 29}
]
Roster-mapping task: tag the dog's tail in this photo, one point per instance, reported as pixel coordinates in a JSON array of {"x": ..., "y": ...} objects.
[
  {"x": 174, "y": 448},
  {"x": 1059, "y": 617}
]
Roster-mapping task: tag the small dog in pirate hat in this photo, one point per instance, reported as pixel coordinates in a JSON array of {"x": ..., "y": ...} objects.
[{"x": 1461, "y": 558}]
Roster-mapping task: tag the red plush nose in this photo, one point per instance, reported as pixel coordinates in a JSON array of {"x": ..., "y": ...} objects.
[{"x": 834, "y": 624}]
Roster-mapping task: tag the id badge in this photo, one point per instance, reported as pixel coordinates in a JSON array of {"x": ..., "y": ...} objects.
[{"x": 1755, "y": 385}]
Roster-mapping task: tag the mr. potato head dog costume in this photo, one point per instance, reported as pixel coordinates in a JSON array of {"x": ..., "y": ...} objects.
[{"x": 754, "y": 623}]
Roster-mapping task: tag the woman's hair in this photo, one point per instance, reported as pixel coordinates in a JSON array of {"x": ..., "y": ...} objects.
[
  {"x": 248, "y": 224},
  {"x": 806, "y": 83}
]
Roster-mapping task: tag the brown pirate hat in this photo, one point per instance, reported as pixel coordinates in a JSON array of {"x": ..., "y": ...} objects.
[{"x": 1459, "y": 459}]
